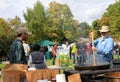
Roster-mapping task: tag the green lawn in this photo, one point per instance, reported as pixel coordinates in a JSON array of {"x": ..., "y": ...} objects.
[
  {"x": 116, "y": 57},
  {"x": 49, "y": 63},
  {"x": 2, "y": 66}
]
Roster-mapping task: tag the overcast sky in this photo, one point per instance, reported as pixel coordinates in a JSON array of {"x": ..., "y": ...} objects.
[{"x": 82, "y": 10}]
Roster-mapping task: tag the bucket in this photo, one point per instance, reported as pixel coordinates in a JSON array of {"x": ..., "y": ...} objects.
[
  {"x": 60, "y": 78},
  {"x": 42, "y": 80}
]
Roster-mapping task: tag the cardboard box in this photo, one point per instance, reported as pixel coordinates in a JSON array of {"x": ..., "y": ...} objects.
[
  {"x": 34, "y": 75},
  {"x": 14, "y": 73}
]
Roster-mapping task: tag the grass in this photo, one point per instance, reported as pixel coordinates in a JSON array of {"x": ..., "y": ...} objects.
[
  {"x": 2, "y": 66},
  {"x": 48, "y": 62},
  {"x": 116, "y": 57}
]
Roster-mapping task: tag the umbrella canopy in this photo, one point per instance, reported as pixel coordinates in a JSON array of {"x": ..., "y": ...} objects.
[{"x": 45, "y": 43}]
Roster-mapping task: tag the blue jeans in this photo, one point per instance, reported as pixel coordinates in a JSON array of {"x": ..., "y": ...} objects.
[
  {"x": 89, "y": 59},
  {"x": 74, "y": 59},
  {"x": 81, "y": 59}
]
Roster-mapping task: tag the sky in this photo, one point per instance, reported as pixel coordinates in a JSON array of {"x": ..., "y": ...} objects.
[{"x": 82, "y": 10}]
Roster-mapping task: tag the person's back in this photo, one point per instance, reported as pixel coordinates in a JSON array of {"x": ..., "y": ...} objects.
[
  {"x": 80, "y": 51},
  {"x": 37, "y": 58},
  {"x": 81, "y": 48}
]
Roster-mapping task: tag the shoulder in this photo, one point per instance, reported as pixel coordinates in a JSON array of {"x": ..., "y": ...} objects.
[
  {"x": 110, "y": 39},
  {"x": 99, "y": 39},
  {"x": 17, "y": 42}
]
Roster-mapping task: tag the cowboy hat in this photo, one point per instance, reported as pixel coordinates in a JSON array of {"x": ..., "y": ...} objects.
[{"x": 104, "y": 29}]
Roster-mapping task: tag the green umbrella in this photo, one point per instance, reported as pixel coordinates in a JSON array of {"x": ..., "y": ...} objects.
[{"x": 45, "y": 43}]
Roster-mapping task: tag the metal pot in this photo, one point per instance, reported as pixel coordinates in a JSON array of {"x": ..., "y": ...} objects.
[{"x": 90, "y": 67}]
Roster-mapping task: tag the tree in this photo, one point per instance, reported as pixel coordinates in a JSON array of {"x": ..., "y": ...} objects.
[
  {"x": 6, "y": 37},
  {"x": 110, "y": 18},
  {"x": 84, "y": 29},
  {"x": 15, "y": 22},
  {"x": 96, "y": 27},
  {"x": 36, "y": 22},
  {"x": 113, "y": 19},
  {"x": 62, "y": 20},
  {"x": 4, "y": 27}
]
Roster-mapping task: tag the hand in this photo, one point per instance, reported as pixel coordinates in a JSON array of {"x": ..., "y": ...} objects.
[
  {"x": 93, "y": 48},
  {"x": 91, "y": 35}
]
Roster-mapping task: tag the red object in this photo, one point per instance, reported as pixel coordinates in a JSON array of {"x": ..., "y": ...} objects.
[{"x": 54, "y": 50}]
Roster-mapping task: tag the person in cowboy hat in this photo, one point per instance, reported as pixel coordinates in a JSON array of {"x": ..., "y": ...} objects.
[
  {"x": 17, "y": 53},
  {"x": 103, "y": 47}
]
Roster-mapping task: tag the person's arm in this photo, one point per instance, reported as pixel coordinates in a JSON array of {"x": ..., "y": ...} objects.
[
  {"x": 18, "y": 52},
  {"x": 28, "y": 48},
  {"x": 93, "y": 42},
  {"x": 44, "y": 60},
  {"x": 30, "y": 60}
]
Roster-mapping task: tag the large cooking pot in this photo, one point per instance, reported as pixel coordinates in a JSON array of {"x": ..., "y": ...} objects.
[{"x": 90, "y": 67}]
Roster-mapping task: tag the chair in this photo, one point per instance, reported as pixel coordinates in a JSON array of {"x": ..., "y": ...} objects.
[{"x": 74, "y": 78}]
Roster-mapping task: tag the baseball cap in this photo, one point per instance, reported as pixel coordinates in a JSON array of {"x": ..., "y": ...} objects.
[{"x": 21, "y": 30}]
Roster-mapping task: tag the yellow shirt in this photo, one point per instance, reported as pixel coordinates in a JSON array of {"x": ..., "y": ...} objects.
[{"x": 74, "y": 49}]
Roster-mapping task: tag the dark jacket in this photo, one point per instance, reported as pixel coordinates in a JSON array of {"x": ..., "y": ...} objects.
[
  {"x": 17, "y": 54},
  {"x": 38, "y": 59}
]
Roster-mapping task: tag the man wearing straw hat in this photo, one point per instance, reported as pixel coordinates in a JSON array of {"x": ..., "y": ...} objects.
[{"x": 103, "y": 47}]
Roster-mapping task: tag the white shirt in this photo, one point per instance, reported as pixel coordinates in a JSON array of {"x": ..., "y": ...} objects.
[{"x": 26, "y": 49}]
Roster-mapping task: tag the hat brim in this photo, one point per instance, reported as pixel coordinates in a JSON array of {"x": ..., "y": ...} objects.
[
  {"x": 29, "y": 33},
  {"x": 104, "y": 30}
]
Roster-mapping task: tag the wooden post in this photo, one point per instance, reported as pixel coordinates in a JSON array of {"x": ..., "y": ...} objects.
[{"x": 93, "y": 52}]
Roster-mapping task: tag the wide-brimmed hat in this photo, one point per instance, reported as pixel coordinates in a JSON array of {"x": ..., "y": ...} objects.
[
  {"x": 104, "y": 29},
  {"x": 21, "y": 30}
]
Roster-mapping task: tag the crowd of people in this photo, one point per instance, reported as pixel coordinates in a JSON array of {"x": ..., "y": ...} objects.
[{"x": 81, "y": 53}]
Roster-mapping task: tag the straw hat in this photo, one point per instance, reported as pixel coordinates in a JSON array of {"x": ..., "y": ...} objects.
[
  {"x": 104, "y": 29},
  {"x": 21, "y": 30}
]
